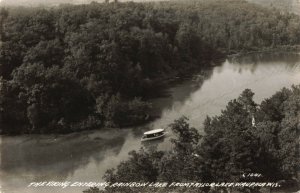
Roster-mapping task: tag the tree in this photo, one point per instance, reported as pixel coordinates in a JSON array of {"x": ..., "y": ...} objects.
[
  {"x": 230, "y": 148},
  {"x": 102, "y": 50},
  {"x": 49, "y": 97},
  {"x": 3, "y": 15}
]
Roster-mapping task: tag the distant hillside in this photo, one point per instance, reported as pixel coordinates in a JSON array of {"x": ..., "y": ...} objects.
[
  {"x": 40, "y": 2},
  {"x": 284, "y": 5},
  {"x": 35, "y": 3}
]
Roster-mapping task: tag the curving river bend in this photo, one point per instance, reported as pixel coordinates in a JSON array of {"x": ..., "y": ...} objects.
[{"x": 86, "y": 156}]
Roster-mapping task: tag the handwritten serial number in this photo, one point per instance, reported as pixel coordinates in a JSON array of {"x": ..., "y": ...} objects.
[{"x": 252, "y": 175}]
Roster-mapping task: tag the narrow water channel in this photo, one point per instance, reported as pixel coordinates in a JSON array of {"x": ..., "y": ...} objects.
[{"x": 86, "y": 156}]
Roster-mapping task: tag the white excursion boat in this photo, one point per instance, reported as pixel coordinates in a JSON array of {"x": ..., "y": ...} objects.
[{"x": 153, "y": 134}]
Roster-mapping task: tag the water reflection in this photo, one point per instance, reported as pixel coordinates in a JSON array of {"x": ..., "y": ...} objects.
[
  {"x": 86, "y": 156},
  {"x": 45, "y": 158},
  {"x": 252, "y": 61},
  {"x": 264, "y": 73},
  {"x": 266, "y": 58},
  {"x": 180, "y": 90}
]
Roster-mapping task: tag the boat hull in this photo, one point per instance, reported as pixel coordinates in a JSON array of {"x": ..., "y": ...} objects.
[{"x": 153, "y": 138}]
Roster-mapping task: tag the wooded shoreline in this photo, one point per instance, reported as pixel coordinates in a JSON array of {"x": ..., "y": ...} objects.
[{"x": 82, "y": 67}]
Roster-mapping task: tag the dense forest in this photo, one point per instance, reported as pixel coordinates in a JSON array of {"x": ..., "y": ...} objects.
[
  {"x": 72, "y": 68},
  {"x": 231, "y": 148}
]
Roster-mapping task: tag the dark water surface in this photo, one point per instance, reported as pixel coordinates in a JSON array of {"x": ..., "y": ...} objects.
[{"x": 86, "y": 156}]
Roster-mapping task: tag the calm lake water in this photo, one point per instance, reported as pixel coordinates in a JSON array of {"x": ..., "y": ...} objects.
[{"x": 86, "y": 156}]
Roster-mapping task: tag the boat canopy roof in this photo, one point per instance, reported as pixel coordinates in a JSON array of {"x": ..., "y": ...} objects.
[{"x": 154, "y": 131}]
